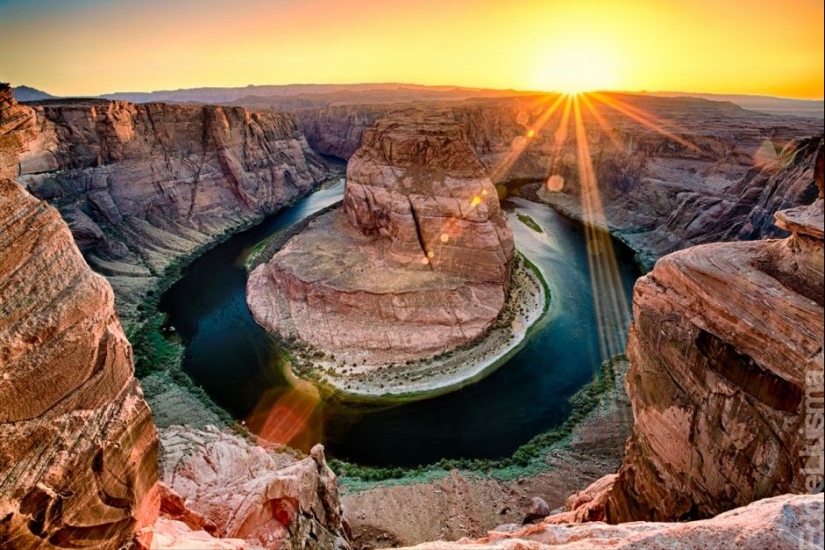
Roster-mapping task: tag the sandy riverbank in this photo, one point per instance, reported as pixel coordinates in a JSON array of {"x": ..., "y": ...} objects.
[{"x": 527, "y": 303}]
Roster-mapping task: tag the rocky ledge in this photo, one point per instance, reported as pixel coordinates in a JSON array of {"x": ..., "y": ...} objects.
[
  {"x": 788, "y": 522},
  {"x": 417, "y": 262},
  {"x": 224, "y": 486}
]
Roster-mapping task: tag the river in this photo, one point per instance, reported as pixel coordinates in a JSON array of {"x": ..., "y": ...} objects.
[{"x": 237, "y": 364}]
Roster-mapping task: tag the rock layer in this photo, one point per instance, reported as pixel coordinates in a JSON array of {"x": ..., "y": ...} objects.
[
  {"x": 417, "y": 262},
  {"x": 726, "y": 371},
  {"x": 78, "y": 450},
  {"x": 418, "y": 183}
]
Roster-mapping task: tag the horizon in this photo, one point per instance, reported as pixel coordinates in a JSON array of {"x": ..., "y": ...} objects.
[
  {"x": 731, "y": 48},
  {"x": 663, "y": 93}
]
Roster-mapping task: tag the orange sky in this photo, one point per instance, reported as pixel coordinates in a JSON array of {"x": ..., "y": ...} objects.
[{"x": 98, "y": 46}]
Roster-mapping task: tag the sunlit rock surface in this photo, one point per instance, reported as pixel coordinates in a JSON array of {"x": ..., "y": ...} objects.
[
  {"x": 788, "y": 522},
  {"x": 416, "y": 262},
  {"x": 78, "y": 450},
  {"x": 270, "y": 499}
]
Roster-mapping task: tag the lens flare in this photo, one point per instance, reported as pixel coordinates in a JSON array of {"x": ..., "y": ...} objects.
[{"x": 555, "y": 183}]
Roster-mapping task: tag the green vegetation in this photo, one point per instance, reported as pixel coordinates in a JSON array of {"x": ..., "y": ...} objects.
[
  {"x": 529, "y": 458},
  {"x": 530, "y": 222},
  {"x": 267, "y": 248}
]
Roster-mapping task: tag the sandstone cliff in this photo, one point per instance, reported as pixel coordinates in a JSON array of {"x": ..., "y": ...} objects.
[
  {"x": 17, "y": 130},
  {"x": 143, "y": 185},
  {"x": 78, "y": 450},
  {"x": 417, "y": 263},
  {"x": 726, "y": 355},
  {"x": 726, "y": 378}
]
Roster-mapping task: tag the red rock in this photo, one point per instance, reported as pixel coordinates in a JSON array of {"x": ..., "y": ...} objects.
[
  {"x": 269, "y": 499},
  {"x": 78, "y": 450}
]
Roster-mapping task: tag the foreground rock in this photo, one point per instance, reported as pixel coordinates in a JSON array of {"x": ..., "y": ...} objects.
[
  {"x": 416, "y": 263},
  {"x": 726, "y": 363},
  {"x": 726, "y": 378},
  {"x": 144, "y": 185},
  {"x": 78, "y": 450},
  {"x": 782, "y": 523},
  {"x": 231, "y": 488}
]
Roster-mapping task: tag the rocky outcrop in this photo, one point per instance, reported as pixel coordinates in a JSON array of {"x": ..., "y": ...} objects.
[
  {"x": 78, "y": 450},
  {"x": 17, "y": 130},
  {"x": 143, "y": 185},
  {"x": 417, "y": 262},
  {"x": 270, "y": 499},
  {"x": 418, "y": 183},
  {"x": 726, "y": 377},
  {"x": 781, "y": 523}
]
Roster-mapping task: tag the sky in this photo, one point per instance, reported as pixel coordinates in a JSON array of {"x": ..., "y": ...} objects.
[{"x": 90, "y": 47}]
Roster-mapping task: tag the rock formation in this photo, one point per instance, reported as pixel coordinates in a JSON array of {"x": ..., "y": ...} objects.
[
  {"x": 726, "y": 344},
  {"x": 726, "y": 373},
  {"x": 788, "y": 522},
  {"x": 417, "y": 262},
  {"x": 78, "y": 450},
  {"x": 143, "y": 185},
  {"x": 267, "y": 498}
]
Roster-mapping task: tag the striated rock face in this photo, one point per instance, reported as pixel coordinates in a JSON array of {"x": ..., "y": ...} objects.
[
  {"x": 782, "y": 523},
  {"x": 270, "y": 499},
  {"x": 142, "y": 185},
  {"x": 78, "y": 450},
  {"x": 418, "y": 183},
  {"x": 418, "y": 260},
  {"x": 726, "y": 367},
  {"x": 17, "y": 130},
  {"x": 337, "y": 131}
]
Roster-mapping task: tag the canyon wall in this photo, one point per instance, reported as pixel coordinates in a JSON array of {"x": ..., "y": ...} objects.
[
  {"x": 143, "y": 185},
  {"x": 671, "y": 172},
  {"x": 79, "y": 453},
  {"x": 78, "y": 450},
  {"x": 726, "y": 365}
]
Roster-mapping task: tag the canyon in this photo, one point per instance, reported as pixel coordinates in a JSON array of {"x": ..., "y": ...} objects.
[
  {"x": 725, "y": 352},
  {"x": 142, "y": 186}
]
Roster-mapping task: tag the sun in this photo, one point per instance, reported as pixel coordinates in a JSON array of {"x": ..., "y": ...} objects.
[{"x": 576, "y": 69}]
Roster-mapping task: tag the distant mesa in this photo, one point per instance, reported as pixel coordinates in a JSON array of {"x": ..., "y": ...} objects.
[
  {"x": 27, "y": 93},
  {"x": 416, "y": 262}
]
